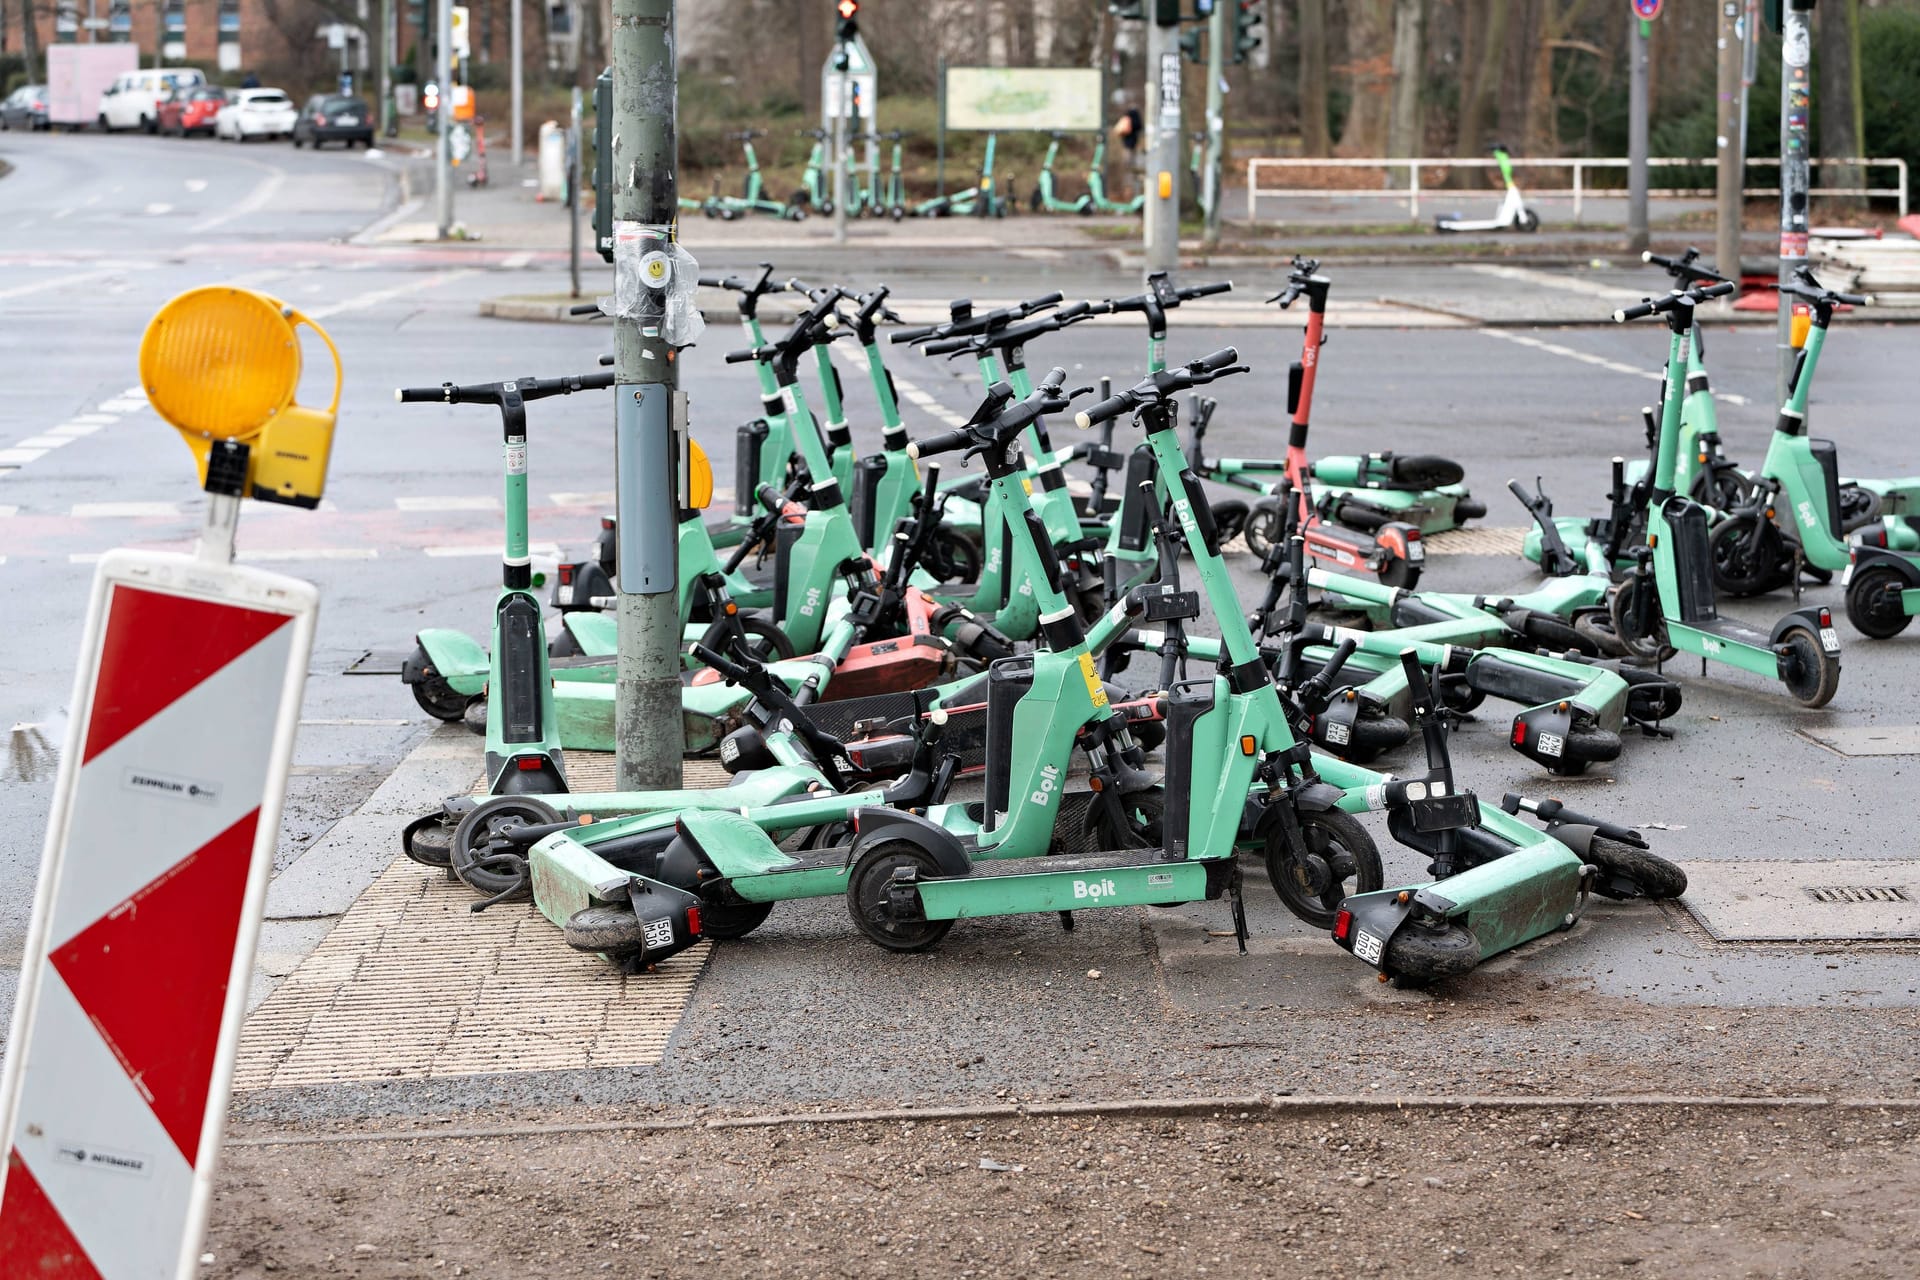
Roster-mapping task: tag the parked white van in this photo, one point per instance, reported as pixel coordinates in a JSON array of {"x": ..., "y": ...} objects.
[{"x": 130, "y": 101}]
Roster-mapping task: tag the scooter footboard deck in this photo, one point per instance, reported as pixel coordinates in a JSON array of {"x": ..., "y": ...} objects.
[
  {"x": 1733, "y": 643},
  {"x": 1026, "y": 886}
]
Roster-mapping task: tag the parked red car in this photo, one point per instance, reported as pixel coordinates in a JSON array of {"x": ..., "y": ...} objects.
[{"x": 190, "y": 110}]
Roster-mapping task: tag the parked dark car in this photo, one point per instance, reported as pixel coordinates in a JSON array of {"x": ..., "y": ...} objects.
[
  {"x": 190, "y": 110},
  {"x": 25, "y": 108},
  {"x": 330, "y": 118}
]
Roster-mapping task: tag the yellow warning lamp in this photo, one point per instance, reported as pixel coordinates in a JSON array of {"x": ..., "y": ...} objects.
[
  {"x": 699, "y": 477},
  {"x": 463, "y": 102},
  {"x": 221, "y": 365},
  {"x": 1801, "y": 324}
]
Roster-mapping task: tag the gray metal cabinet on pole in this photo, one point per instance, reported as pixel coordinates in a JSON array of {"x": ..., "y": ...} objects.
[{"x": 647, "y": 733}]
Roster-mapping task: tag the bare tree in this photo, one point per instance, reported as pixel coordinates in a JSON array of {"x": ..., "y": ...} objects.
[
  {"x": 1478, "y": 104},
  {"x": 1403, "y": 120},
  {"x": 1314, "y": 137},
  {"x": 1842, "y": 103},
  {"x": 1369, "y": 69},
  {"x": 1557, "y": 22}
]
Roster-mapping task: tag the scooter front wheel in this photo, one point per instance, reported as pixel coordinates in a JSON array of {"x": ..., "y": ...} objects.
[
  {"x": 1627, "y": 871},
  {"x": 1229, "y": 518},
  {"x": 1398, "y": 571},
  {"x": 1340, "y": 860},
  {"x": 728, "y": 920},
  {"x": 485, "y": 869},
  {"x": 767, "y": 642},
  {"x": 1747, "y": 555},
  {"x": 610, "y": 929},
  {"x": 871, "y": 894},
  {"x": 436, "y": 697},
  {"x": 1634, "y": 608},
  {"x": 1422, "y": 953},
  {"x": 1812, "y": 674}
]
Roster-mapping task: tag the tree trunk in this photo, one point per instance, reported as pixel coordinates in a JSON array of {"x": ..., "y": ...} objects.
[
  {"x": 30, "y": 38},
  {"x": 1369, "y": 69},
  {"x": 1314, "y": 140},
  {"x": 1403, "y": 122},
  {"x": 1841, "y": 104},
  {"x": 1477, "y": 108}
]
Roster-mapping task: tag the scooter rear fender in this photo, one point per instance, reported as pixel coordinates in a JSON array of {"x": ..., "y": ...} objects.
[{"x": 459, "y": 659}]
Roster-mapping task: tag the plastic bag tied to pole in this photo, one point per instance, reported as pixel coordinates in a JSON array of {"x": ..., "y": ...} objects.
[{"x": 655, "y": 282}]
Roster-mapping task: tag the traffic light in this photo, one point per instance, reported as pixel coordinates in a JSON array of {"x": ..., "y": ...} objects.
[
  {"x": 603, "y": 163},
  {"x": 1203, "y": 8},
  {"x": 1190, "y": 45},
  {"x": 1166, "y": 13},
  {"x": 849, "y": 25},
  {"x": 1246, "y": 29},
  {"x": 1128, "y": 10}
]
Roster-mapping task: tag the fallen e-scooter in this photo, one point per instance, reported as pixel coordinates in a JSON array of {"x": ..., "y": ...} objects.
[{"x": 1513, "y": 214}]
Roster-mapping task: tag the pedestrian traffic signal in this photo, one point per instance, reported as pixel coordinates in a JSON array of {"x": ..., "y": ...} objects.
[
  {"x": 849, "y": 26},
  {"x": 603, "y": 163},
  {"x": 1190, "y": 45},
  {"x": 1166, "y": 13},
  {"x": 1246, "y": 29},
  {"x": 1130, "y": 10}
]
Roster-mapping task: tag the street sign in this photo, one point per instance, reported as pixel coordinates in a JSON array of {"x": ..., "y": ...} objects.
[
  {"x": 1646, "y": 10},
  {"x": 461, "y": 48},
  {"x": 336, "y": 36}
]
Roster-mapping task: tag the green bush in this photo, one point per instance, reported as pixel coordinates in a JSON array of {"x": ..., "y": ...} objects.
[{"x": 1890, "y": 70}]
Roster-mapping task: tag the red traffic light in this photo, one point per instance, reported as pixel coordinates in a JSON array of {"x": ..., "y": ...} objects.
[{"x": 847, "y": 8}]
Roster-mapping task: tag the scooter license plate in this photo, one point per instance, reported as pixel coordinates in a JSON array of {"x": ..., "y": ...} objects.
[
  {"x": 1829, "y": 639},
  {"x": 1367, "y": 947},
  {"x": 1846, "y": 575},
  {"x": 1416, "y": 552}
]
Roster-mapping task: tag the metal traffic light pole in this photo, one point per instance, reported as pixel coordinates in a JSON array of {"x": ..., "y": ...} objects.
[
  {"x": 845, "y": 30},
  {"x": 1164, "y": 136},
  {"x": 442, "y": 116},
  {"x": 1217, "y": 37},
  {"x": 648, "y": 406},
  {"x": 1796, "y": 106}
]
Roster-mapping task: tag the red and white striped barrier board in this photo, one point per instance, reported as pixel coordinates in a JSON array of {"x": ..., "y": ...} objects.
[{"x": 146, "y": 916}]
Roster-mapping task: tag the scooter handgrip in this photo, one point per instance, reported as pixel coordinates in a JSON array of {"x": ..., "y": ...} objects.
[
  {"x": 770, "y": 498},
  {"x": 426, "y": 395},
  {"x": 1073, "y": 311},
  {"x": 1720, "y": 290},
  {"x": 541, "y": 388},
  {"x": 709, "y": 282},
  {"x": 606, "y": 358},
  {"x": 590, "y": 308},
  {"x": 743, "y": 355},
  {"x": 1044, "y": 300},
  {"x": 1206, "y": 290},
  {"x": 1854, "y": 299},
  {"x": 1638, "y": 311},
  {"x": 1216, "y": 361},
  {"x": 913, "y": 335},
  {"x": 1519, "y": 491},
  {"x": 1111, "y": 407},
  {"x": 945, "y": 442},
  {"x": 946, "y": 346}
]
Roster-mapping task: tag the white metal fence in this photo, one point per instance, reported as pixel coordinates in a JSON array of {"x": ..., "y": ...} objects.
[{"x": 1273, "y": 169}]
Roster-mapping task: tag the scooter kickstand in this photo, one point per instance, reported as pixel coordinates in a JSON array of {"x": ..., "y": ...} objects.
[
  {"x": 1240, "y": 933},
  {"x": 1066, "y": 921}
]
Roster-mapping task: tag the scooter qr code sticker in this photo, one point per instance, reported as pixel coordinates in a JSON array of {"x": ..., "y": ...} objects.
[
  {"x": 1367, "y": 947},
  {"x": 658, "y": 934},
  {"x": 1551, "y": 744},
  {"x": 1829, "y": 639}
]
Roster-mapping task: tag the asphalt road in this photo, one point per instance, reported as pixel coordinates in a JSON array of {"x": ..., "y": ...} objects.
[{"x": 110, "y": 228}]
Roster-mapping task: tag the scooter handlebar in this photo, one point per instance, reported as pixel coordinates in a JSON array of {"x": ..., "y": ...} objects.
[
  {"x": 541, "y": 388},
  {"x": 446, "y": 393},
  {"x": 590, "y": 308},
  {"x": 1205, "y": 290},
  {"x": 1104, "y": 410},
  {"x": 913, "y": 335},
  {"x": 491, "y": 392},
  {"x": 745, "y": 354},
  {"x": 606, "y": 359},
  {"x": 945, "y": 442}
]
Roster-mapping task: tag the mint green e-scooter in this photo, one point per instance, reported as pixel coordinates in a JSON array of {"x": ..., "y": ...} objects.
[
  {"x": 1665, "y": 604},
  {"x": 1044, "y": 198}
]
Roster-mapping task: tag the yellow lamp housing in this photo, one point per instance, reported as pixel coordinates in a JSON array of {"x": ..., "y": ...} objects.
[
  {"x": 699, "y": 477},
  {"x": 1801, "y": 324},
  {"x": 221, "y": 365}
]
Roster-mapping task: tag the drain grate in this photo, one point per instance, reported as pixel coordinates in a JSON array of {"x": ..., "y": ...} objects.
[{"x": 1850, "y": 893}]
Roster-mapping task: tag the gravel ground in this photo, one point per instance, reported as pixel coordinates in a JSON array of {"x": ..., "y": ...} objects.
[{"x": 1595, "y": 1191}]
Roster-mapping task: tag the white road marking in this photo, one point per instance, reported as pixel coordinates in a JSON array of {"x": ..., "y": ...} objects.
[
  {"x": 378, "y": 296},
  {"x": 196, "y": 184},
  {"x": 926, "y": 403},
  {"x": 309, "y": 553},
  {"x": 8, "y": 511},
  {"x": 351, "y": 723},
  {"x": 124, "y": 510},
  {"x": 1601, "y": 362},
  {"x": 257, "y": 199},
  {"x": 544, "y": 550},
  {"x": 603, "y": 498},
  {"x": 447, "y": 504},
  {"x": 140, "y": 393},
  {"x": 45, "y": 442},
  {"x": 515, "y": 261},
  {"x": 122, "y": 406},
  {"x": 97, "y": 419},
  {"x": 58, "y": 282},
  {"x": 74, "y": 429},
  {"x": 20, "y": 457},
  {"x": 157, "y": 210},
  {"x": 1553, "y": 280}
]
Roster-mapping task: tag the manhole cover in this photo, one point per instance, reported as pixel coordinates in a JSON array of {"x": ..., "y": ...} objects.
[
  {"x": 1806, "y": 901},
  {"x": 1869, "y": 740}
]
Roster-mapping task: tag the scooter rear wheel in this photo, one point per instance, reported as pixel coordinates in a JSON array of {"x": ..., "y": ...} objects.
[
  {"x": 496, "y": 874},
  {"x": 1263, "y": 526},
  {"x": 867, "y": 888},
  {"x": 1747, "y": 552},
  {"x": 767, "y": 642},
  {"x": 728, "y": 920},
  {"x": 1341, "y": 860},
  {"x": 1229, "y": 518},
  {"x": 1813, "y": 675},
  {"x": 1873, "y": 603},
  {"x": 1634, "y": 608},
  {"x": 1398, "y": 571},
  {"x": 1646, "y": 873},
  {"x": 436, "y": 697},
  {"x": 1422, "y": 953}
]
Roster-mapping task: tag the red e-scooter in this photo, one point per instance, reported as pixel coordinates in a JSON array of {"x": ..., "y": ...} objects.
[{"x": 1390, "y": 549}]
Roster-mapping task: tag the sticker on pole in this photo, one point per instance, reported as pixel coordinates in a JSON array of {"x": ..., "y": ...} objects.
[
  {"x": 1646, "y": 10},
  {"x": 152, "y": 884}
]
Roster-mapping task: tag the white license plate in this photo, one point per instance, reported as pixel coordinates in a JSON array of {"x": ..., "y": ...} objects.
[
  {"x": 1846, "y": 575},
  {"x": 1416, "y": 551},
  {"x": 1368, "y": 947},
  {"x": 1829, "y": 639},
  {"x": 348, "y": 120}
]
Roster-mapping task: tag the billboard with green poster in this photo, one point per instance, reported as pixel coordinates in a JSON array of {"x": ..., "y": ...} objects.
[{"x": 1012, "y": 99}]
